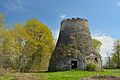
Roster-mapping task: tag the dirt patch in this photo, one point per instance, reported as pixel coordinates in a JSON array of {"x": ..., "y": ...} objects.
[
  {"x": 102, "y": 78},
  {"x": 24, "y": 76}
]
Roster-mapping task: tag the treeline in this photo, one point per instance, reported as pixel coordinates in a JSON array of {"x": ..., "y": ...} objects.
[
  {"x": 113, "y": 60},
  {"x": 26, "y": 47}
]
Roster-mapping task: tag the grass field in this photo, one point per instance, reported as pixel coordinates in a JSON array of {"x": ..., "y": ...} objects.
[{"x": 64, "y": 75}]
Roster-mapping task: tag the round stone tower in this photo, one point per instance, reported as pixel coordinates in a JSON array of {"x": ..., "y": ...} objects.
[{"x": 74, "y": 48}]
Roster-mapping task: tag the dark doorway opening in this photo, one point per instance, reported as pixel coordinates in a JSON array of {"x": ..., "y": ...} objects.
[
  {"x": 96, "y": 59},
  {"x": 73, "y": 64}
]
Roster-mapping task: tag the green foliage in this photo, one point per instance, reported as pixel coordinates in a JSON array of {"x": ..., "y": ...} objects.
[
  {"x": 97, "y": 44},
  {"x": 115, "y": 59},
  {"x": 42, "y": 44},
  {"x": 91, "y": 67},
  {"x": 26, "y": 47},
  {"x": 7, "y": 48},
  {"x": 2, "y": 22}
]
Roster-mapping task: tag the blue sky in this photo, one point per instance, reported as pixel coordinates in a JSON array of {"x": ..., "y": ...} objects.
[{"x": 103, "y": 15}]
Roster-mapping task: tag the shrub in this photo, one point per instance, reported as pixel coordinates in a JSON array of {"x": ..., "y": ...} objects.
[
  {"x": 91, "y": 67},
  {"x": 3, "y": 72}
]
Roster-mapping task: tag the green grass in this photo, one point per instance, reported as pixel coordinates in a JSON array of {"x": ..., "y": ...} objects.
[
  {"x": 76, "y": 75},
  {"x": 6, "y": 77},
  {"x": 64, "y": 75}
]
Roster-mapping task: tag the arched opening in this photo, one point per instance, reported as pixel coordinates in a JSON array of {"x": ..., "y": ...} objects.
[
  {"x": 96, "y": 59},
  {"x": 73, "y": 64}
]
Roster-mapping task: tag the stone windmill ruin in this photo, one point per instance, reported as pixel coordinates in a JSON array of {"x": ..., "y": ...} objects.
[{"x": 74, "y": 48}]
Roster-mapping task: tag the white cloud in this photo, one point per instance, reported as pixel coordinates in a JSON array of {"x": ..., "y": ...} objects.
[
  {"x": 107, "y": 45},
  {"x": 14, "y": 5},
  {"x": 118, "y": 4},
  {"x": 55, "y": 34},
  {"x": 62, "y": 15}
]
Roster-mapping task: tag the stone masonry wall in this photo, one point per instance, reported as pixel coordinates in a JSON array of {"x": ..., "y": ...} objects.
[{"x": 74, "y": 44}]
